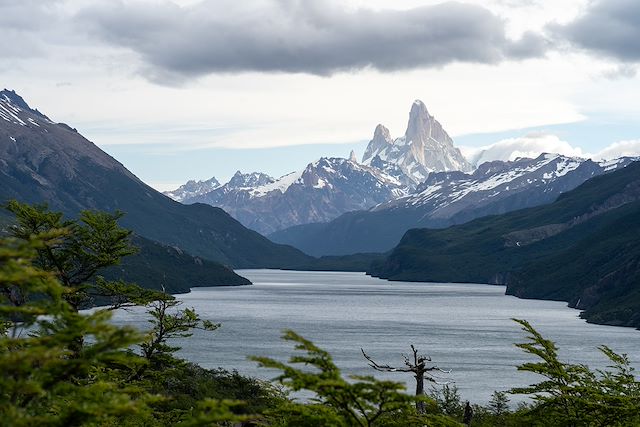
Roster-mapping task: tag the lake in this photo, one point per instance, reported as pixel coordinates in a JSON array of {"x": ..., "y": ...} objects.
[{"x": 463, "y": 327}]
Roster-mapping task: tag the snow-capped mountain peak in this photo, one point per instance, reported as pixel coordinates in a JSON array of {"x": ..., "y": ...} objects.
[
  {"x": 321, "y": 191},
  {"x": 352, "y": 157},
  {"x": 449, "y": 194},
  {"x": 425, "y": 147},
  {"x": 249, "y": 180},
  {"x": 15, "y": 110},
  {"x": 193, "y": 188}
]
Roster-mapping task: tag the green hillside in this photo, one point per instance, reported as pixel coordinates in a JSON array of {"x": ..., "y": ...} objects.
[
  {"x": 156, "y": 265},
  {"x": 584, "y": 249}
]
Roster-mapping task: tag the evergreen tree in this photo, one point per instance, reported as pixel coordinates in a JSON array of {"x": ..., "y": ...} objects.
[{"x": 574, "y": 395}]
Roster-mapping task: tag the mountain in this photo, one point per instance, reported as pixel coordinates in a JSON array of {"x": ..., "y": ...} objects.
[
  {"x": 157, "y": 265},
  {"x": 445, "y": 199},
  {"x": 192, "y": 188},
  {"x": 584, "y": 249},
  {"x": 322, "y": 191},
  {"x": 425, "y": 147},
  {"x": 43, "y": 161},
  {"x": 330, "y": 187},
  {"x": 248, "y": 180}
]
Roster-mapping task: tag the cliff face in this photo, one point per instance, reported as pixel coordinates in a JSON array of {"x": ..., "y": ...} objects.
[{"x": 425, "y": 147}]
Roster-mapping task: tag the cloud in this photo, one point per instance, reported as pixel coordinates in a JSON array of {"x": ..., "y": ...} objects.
[
  {"x": 21, "y": 21},
  {"x": 621, "y": 71},
  {"x": 610, "y": 28},
  {"x": 531, "y": 146},
  {"x": 302, "y": 36},
  {"x": 630, "y": 148},
  {"x": 534, "y": 144}
]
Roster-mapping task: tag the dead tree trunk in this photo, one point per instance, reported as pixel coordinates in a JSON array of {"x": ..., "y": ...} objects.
[
  {"x": 416, "y": 365},
  {"x": 420, "y": 407}
]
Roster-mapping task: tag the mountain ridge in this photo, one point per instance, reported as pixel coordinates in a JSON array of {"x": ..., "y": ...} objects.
[
  {"x": 47, "y": 162},
  {"x": 445, "y": 199},
  {"x": 561, "y": 251},
  {"x": 323, "y": 190}
]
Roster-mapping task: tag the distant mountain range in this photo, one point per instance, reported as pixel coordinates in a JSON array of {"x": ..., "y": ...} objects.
[
  {"x": 193, "y": 188},
  {"x": 322, "y": 191},
  {"x": 341, "y": 206},
  {"x": 329, "y": 187},
  {"x": 445, "y": 199},
  {"x": 584, "y": 248},
  {"x": 553, "y": 227},
  {"x": 42, "y": 161}
]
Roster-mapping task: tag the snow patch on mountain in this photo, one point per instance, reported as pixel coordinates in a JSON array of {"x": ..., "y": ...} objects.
[
  {"x": 321, "y": 191},
  {"x": 445, "y": 193},
  {"x": 13, "y": 109},
  {"x": 193, "y": 188},
  {"x": 282, "y": 184},
  {"x": 424, "y": 148}
]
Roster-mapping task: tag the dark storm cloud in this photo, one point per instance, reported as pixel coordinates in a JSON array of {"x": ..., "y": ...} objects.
[
  {"x": 610, "y": 28},
  {"x": 308, "y": 36}
]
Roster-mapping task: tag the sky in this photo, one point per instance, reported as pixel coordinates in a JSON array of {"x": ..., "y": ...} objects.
[{"x": 189, "y": 89}]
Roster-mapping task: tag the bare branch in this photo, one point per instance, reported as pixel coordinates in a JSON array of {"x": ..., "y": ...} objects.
[{"x": 383, "y": 368}]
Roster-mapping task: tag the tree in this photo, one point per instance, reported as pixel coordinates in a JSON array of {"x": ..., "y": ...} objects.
[
  {"x": 168, "y": 324},
  {"x": 359, "y": 401},
  {"x": 448, "y": 400},
  {"x": 417, "y": 365},
  {"x": 62, "y": 366},
  {"x": 499, "y": 403},
  {"x": 83, "y": 248},
  {"x": 574, "y": 395},
  {"x": 40, "y": 384}
]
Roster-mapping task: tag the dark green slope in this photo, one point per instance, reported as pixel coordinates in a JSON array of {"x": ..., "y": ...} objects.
[
  {"x": 156, "y": 265},
  {"x": 584, "y": 249},
  {"x": 42, "y": 161}
]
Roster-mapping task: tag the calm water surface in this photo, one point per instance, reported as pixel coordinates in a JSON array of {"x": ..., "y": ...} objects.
[{"x": 463, "y": 327}]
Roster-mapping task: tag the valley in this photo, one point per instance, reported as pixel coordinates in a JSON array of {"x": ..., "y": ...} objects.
[{"x": 319, "y": 213}]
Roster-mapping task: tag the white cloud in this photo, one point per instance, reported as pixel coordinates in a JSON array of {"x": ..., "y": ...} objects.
[
  {"x": 534, "y": 144},
  {"x": 531, "y": 146},
  {"x": 630, "y": 148},
  {"x": 99, "y": 89}
]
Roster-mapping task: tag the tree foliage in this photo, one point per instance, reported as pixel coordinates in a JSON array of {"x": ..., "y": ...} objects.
[
  {"x": 353, "y": 401},
  {"x": 63, "y": 366},
  {"x": 573, "y": 394}
]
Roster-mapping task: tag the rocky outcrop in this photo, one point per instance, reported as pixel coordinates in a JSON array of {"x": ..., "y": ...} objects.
[{"x": 425, "y": 147}]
